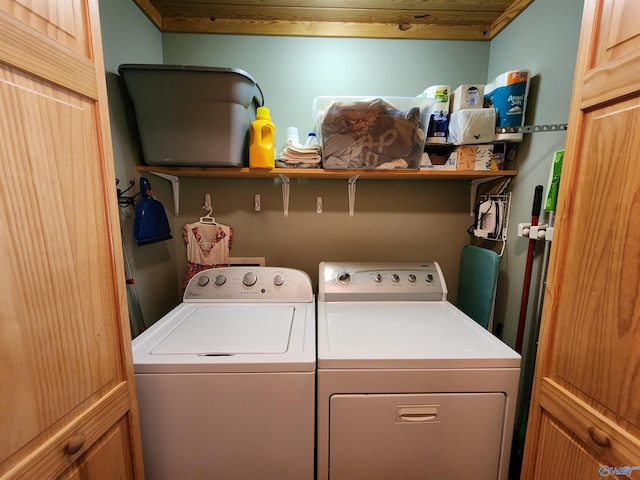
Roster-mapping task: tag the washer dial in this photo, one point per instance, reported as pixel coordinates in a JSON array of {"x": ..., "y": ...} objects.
[
  {"x": 344, "y": 278},
  {"x": 249, "y": 279}
]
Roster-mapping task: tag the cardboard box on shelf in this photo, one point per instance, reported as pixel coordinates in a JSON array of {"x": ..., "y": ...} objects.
[
  {"x": 438, "y": 161},
  {"x": 478, "y": 157},
  {"x": 467, "y": 96},
  {"x": 499, "y": 156}
]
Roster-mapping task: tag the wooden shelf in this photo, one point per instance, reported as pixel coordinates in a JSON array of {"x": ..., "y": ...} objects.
[{"x": 326, "y": 174}]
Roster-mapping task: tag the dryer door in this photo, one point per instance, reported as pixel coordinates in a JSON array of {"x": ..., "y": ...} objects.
[{"x": 456, "y": 436}]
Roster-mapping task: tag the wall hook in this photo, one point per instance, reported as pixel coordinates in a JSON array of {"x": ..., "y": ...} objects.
[
  {"x": 352, "y": 194},
  {"x": 208, "y": 218},
  {"x": 125, "y": 201},
  {"x": 207, "y": 203}
]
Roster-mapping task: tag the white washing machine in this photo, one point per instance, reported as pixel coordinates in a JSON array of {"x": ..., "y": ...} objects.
[
  {"x": 408, "y": 387},
  {"x": 226, "y": 380}
]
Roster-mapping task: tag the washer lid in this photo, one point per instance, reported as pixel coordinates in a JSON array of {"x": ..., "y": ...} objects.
[
  {"x": 220, "y": 330},
  {"x": 405, "y": 335},
  {"x": 229, "y": 338}
]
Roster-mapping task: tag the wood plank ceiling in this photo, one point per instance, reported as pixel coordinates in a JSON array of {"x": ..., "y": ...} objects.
[{"x": 400, "y": 19}]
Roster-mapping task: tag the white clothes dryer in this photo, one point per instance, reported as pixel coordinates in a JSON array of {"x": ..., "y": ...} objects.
[
  {"x": 408, "y": 386},
  {"x": 226, "y": 380}
]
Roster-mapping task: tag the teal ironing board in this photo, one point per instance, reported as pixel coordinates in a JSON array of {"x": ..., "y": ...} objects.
[{"x": 477, "y": 283}]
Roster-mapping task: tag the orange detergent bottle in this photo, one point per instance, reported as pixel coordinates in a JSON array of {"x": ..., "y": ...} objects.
[{"x": 262, "y": 140}]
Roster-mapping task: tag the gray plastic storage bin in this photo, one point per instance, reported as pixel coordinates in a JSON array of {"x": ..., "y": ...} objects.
[{"x": 193, "y": 116}]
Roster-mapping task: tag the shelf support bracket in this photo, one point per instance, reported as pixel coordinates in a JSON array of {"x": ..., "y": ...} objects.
[
  {"x": 474, "y": 191},
  {"x": 175, "y": 187},
  {"x": 286, "y": 186},
  {"x": 352, "y": 194}
]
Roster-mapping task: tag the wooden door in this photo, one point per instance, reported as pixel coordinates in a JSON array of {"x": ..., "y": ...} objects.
[
  {"x": 585, "y": 411},
  {"x": 65, "y": 361}
]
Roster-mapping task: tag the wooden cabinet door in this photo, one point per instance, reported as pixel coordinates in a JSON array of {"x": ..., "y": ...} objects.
[
  {"x": 108, "y": 458},
  {"x": 65, "y": 359},
  {"x": 585, "y": 409}
]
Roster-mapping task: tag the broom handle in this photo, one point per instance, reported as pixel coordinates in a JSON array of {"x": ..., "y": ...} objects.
[{"x": 535, "y": 216}]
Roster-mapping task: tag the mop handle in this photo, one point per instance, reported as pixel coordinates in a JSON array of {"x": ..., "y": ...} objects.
[
  {"x": 535, "y": 216},
  {"x": 537, "y": 202}
]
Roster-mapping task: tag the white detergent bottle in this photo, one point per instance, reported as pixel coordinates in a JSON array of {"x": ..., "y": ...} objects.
[{"x": 311, "y": 140}]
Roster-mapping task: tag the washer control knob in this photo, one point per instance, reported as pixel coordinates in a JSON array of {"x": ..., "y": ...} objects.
[
  {"x": 220, "y": 280},
  {"x": 203, "y": 280},
  {"x": 412, "y": 278},
  {"x": 395, "y": 277},
  {"x": 344, "y": 278},
  {"x": 378, "y": 278},
  {"x": 278, "y": 280},
  {"x": 429, "y": 278},
  {"x": 249, "y": 279}
]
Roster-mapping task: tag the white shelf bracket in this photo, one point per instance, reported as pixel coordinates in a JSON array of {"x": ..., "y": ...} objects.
[
  {"x": 286, "y": 186},
  {"x": 474, "y": 191},
  {"x": 175, "y": 187},
  {"x": 352, "y": 194}
]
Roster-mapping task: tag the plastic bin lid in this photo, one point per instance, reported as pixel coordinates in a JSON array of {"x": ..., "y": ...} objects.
[{"x": 191, "y": 68}]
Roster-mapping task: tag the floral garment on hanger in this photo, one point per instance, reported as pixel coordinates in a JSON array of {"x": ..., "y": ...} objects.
[{"x": 208, "y": 246}]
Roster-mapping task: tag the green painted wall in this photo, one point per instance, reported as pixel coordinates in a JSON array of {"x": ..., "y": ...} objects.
[{"x": 394, "y": 220}]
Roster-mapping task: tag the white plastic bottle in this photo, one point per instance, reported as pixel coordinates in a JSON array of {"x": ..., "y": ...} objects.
[
  {"x": 292, "y": 135},
  {"x": 311, "y": 140}
]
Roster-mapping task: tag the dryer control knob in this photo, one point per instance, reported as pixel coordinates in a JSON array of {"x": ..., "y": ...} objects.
[
  {"x": 395, "y": 277},
  {"x": 249, "y": 279},
  {"x": 378, "y": 278},
  {"x": 429, "y": 278},
  {"x": 220, "y": 280},
  {"x": 344, "y": 278},
  {"x": 278, "y": 280},
  {"x": 203, "y": 280},
  {"x": 412, "y": 278}
]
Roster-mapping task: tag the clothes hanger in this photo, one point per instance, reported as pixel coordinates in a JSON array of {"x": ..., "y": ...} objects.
[{"x": 207, "y": 219}]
